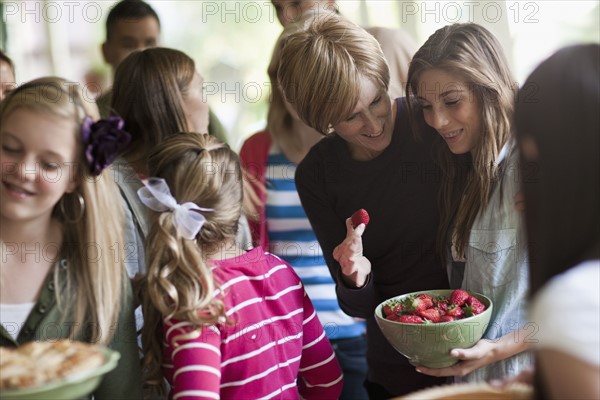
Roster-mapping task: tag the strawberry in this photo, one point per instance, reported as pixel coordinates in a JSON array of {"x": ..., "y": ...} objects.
[
  {"x": 473, "y": 306},
  {"x": 447, "y": 318},
  {"x": 391, "y": 308},
  {"x": 431, "y": 314},
  {"x": 410, "y": 319},
  {"x": 459, "y": 297},
  {"x": 427, "y": 299},
  {"x": 418, "y": 303},
  {"x": 387, "y": 310},
  {"x": 441, "y": 303},
  {"x": 360, "y": 217},
  {"x": 455, "y": 311},
  {"x": 392, "y": 317}
]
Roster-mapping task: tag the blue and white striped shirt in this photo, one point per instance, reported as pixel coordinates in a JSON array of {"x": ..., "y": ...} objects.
[{"x": 291, "y": 238}]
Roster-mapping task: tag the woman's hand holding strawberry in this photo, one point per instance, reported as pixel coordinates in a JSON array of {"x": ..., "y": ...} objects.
[{"x": 349, "y": 254}]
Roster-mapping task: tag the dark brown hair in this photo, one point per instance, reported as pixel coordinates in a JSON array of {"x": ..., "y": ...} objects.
[
  {"x": 558, "y": 108},
  {"x": 148, "y": 94}
]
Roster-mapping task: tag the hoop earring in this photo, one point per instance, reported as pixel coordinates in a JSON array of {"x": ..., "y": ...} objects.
[{"x": 81, "y": 209}]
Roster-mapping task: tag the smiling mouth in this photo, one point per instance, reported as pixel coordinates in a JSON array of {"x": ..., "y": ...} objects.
[
  {"x": 451, "y": 135},
  {"x": 375, "y": 135},
  {"x": 16, "y": 189}
]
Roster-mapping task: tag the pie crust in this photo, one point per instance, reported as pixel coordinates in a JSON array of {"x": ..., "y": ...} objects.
[{"x": 38, "y": 363}]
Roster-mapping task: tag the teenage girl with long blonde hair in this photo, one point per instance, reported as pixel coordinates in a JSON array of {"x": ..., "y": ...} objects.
[{"x": 62, "y": 274}]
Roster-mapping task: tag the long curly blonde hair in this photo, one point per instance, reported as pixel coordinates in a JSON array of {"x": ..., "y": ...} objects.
[{"x": 197, "y": 168}]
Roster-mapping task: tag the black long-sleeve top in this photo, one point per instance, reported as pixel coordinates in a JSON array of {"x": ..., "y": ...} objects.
[{"x": 399, "y": 189}]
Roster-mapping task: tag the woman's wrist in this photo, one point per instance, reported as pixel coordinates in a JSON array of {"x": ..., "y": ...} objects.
[{"x": 355, "y": 281}]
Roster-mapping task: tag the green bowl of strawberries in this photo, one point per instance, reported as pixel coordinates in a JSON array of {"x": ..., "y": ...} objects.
[{"x": 425, "y": 326}]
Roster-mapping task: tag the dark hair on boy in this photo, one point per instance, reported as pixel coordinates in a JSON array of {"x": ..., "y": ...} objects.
[{"x": 128, "y": 9}]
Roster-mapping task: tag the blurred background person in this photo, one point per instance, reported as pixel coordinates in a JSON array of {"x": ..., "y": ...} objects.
[
  {"x": 8, "y": 81},
  {"x": 558, "y": 131},
  {"x": 158, "y": 92},
  {"x": 134, "y": 25}
]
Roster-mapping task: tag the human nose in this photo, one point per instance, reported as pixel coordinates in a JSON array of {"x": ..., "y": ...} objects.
[
  {"x": 372, "y": 123},
  {"x": 28, "y": 170},
  {"x": 437, "y": 119}
]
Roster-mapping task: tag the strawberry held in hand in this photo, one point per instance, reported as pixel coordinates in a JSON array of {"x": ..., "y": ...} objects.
[{"x": 360, "y": 217}]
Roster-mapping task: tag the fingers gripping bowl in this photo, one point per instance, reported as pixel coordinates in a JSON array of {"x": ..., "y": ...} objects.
[{"x": 429, "y": 344}]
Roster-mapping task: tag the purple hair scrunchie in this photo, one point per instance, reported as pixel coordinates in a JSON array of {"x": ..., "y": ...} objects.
[{"x": 103, "y": 140}]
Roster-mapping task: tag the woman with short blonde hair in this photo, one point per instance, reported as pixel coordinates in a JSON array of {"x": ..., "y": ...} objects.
[
  {"x": 331, "y": 63},
  {"x": 333, "y": 73}
]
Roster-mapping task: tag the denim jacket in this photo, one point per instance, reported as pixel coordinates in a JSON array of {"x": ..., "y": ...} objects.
[{"x": 497, "y": 266}]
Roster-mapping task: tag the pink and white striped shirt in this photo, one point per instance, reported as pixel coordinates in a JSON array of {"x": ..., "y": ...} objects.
[{"x": 275, "y": 349}]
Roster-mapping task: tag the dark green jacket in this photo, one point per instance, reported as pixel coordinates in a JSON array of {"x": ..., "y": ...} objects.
[{"x": 44, "y": 323}]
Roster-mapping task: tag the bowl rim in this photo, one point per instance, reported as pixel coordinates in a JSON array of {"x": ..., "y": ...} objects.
[
  {"x": 111, "y": 359},
  {"x": 379, "y": 315}
]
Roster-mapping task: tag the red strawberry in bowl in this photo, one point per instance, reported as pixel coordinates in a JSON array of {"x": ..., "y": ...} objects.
[
  {"x": 418, "y": 303},
  {"x": 410, "y": 319},
  {"x": 473, "y": 306},
  {"x": 458, "y": 297},
  {"x": 392, "y": 308},
  {"x": 455, "y": 311},
  {"x": 430, "y": 314},
  {"x": 429, "y": 326},
  {"x": 447, "y": 318},
  {"x": 360, "y": 217}
]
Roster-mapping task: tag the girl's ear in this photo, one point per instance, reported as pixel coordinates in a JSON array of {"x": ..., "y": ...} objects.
[{"x": 72, "y": 186}]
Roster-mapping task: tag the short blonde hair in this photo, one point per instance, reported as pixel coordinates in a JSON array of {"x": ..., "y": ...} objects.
[{"x": 322, "y": 66}]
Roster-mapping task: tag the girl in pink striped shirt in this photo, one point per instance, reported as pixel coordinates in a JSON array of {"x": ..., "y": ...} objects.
[{"x": 221, "y": 322}]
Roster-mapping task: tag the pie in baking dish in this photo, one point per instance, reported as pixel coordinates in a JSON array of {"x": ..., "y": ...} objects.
[
  {"x": 38, "y": 363},
  {"x": 472, "y": 391}
]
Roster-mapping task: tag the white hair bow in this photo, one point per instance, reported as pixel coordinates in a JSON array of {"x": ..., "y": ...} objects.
[{"x": 157, "y": 196}]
